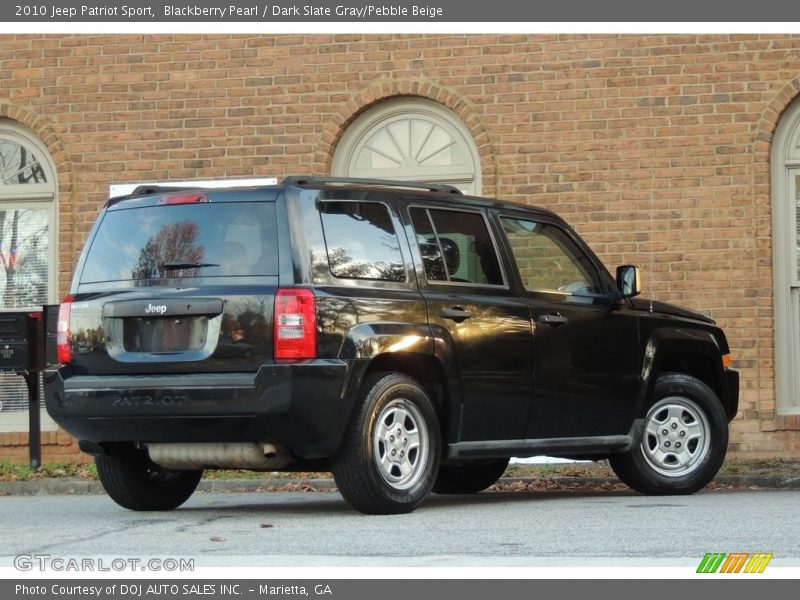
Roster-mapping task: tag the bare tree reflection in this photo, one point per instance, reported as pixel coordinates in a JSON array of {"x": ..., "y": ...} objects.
[{"x": 174, "y": 243}]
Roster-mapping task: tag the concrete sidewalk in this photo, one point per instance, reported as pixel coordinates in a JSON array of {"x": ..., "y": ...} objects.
[{"x": 74, "y": 485}]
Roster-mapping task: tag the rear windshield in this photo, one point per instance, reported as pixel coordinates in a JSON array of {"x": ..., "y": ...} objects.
[{"x": 184, "y": 240}]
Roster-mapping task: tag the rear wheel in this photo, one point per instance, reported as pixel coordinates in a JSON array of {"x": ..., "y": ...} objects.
[
  {"x": 469, "y": 477},
  {"x": 390, "y": 455},
  {"x": 684, "y": 441},
  {"x": 135, "y": 482}
]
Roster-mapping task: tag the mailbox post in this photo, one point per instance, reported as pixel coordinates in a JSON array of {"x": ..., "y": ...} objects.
[{"x": 22, "y": 351}]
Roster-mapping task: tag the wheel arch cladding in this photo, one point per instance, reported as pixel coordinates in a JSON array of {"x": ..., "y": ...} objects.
[{"x": 688, "y": 351}]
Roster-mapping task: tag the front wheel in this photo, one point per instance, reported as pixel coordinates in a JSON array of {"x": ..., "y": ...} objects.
[
  {"x": 684, "y": 441},
  {"x": 135, "y": 482},
  {"x": 390, "y": 454}
]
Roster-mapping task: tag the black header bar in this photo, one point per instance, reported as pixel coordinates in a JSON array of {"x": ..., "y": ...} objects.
[{"x": 437, "y": 11}]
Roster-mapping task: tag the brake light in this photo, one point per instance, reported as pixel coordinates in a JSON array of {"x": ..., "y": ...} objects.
[
  {"x": 183, "y": 199},
  {"x": 295, "y": 324},
  {"x": 63, "y": 336}
]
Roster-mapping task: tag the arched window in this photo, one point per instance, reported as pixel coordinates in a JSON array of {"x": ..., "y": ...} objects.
[
  {"x": 27, "y": 244},
  {"x": 27, "y": 215},
  {"x": 410, "y": 139},
  {"x": 786, "y": 258}
]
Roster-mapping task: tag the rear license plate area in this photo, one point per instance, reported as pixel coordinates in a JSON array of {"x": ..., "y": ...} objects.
[{"x": 164, "y": 335}]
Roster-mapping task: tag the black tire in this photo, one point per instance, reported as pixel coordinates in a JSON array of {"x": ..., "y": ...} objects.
[
  {"x": 371, "y": 478},
  {"x": 469, "y": 477},
  {"x": 686, "y": 457},
  {"x": 135, "y": 482}
]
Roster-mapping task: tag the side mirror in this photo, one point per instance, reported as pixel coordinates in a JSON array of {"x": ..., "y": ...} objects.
[{"x": 629, "y": 281}]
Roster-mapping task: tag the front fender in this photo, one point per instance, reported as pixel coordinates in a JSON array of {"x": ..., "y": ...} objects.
[{"x": 665, "y": 344}]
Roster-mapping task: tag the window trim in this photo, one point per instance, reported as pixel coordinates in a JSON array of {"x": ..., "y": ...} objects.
[
  {"x": 455, "y": 284},
  {"x": 785, "y": 159},
  {"x": 356, "y": 134}
]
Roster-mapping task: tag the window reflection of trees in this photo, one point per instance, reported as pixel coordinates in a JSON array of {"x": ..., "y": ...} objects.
[
  {"x": 345, "y": 266},
  {"x": 23, "y": 257},
  {"x": 361, "y": 242},
  {"x": 24, "y": 244},
  {"x": 174, "y": 242}
]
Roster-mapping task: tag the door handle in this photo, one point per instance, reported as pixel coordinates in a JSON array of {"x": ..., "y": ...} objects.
[
  {"x": 555, "y": 319},
  {"x": 456, "y": 314}
]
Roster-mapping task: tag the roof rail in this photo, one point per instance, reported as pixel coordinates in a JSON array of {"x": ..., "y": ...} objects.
[{"x": 322, "y": 180}]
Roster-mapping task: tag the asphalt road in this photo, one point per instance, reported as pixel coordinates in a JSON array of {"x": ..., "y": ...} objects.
[{"x": 491, "y": 529}]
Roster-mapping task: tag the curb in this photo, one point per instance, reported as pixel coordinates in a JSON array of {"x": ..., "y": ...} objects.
[
  {"x": 69, "y": 486},
  {"x": 267, "y": 485}
]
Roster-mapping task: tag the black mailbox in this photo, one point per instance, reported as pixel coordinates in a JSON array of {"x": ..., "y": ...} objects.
[
  {"x": 22, "y": 341},
  {"x": 24, "y": 338}
]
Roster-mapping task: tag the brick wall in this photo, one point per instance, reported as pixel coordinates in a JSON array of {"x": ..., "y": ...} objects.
[
  {"x": 57, "y": 446},
  {"x": 656, "y": 148}
]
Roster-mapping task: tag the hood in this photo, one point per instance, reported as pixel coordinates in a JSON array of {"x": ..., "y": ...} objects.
[{"x": 669, "y": 309}]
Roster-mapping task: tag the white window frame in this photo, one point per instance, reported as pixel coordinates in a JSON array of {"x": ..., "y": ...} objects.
[
  {"x": 468, "y": 179},
  {"x": 36, "y": 196},
  {"x": 33, "y": 196},
  {"x": 785, "y": 171}
]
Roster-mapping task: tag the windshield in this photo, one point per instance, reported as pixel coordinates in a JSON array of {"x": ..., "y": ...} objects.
[{"x": 183, "y": 240}]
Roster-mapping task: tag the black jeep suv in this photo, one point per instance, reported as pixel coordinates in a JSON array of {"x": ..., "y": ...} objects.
[{"x": 406, "y": 337}]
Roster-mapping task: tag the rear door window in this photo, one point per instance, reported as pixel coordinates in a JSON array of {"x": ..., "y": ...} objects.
[
  {"x": 183, "y": 240},
  {"x": 456, "y": 247}
]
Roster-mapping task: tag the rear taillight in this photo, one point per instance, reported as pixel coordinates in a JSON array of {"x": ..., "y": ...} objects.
[
  {"x": 295, "y": 324},
  {"x": 63, "y": 336}
]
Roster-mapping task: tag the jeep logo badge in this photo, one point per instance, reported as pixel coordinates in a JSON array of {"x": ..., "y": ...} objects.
[{"x": 159, "y": 309}]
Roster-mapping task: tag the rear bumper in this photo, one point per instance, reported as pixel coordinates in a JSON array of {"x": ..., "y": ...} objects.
[{"x": 301, "y": 406}]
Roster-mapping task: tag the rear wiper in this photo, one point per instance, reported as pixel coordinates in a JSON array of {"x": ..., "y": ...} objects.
[{"x": 175, "y": 265}]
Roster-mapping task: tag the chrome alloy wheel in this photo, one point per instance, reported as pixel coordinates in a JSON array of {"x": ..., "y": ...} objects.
[
  {"x": 676, "y": 436},
  {"x": 400, "y": 444}
]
